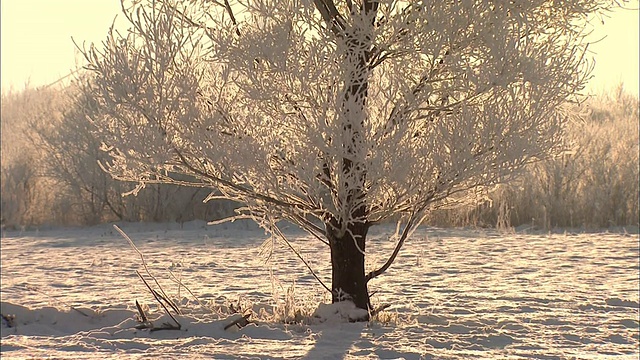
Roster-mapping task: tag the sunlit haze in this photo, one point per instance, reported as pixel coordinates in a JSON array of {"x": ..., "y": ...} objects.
[{"x": 37, "y": 47}]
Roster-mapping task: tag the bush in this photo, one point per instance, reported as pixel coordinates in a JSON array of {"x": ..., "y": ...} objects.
[
  {"x": 25, "y": 195},
  {"x": 594, "y": 185}
]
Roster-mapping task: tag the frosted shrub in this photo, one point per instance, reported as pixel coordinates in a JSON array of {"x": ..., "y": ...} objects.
[
  {"x": 594, "y": 185},
  {"x": 51, "y": 172}
]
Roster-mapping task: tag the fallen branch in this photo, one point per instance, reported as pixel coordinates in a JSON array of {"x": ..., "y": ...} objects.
[
  {"x": 146, "y": 324},
  {"x": 165, "y": 326},
  {"x": 240, "y": 322}
]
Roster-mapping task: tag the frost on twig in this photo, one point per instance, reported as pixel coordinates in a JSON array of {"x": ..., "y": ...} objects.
[{"x": 159, "y": 295}]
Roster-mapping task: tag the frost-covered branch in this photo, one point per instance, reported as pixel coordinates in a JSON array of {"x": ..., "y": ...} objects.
[
  {"x": 454, "y": 104},
  {"x": 412, "y": 224}
]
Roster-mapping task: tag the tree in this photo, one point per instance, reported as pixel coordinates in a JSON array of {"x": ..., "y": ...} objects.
[
  {"x": 338, "y": 115},
  {"x": 24, "y": 186},
  {"x": 84, "y": 194}
]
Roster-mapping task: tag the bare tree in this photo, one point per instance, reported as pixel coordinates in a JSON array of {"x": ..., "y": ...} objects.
[
  {"x": 24, "y": 187},
  {"x": 338, "y": 115},
  {"x": 69, "y": 159}
]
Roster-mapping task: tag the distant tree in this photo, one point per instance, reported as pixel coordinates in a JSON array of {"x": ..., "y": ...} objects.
[
  {"x": 23, "y": 187},
  {"x": 338, "y": 115},
  {"x": 70, "y": 158}
]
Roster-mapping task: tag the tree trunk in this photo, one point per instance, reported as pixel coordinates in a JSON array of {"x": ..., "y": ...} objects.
[
  {"x": 348, "y": 249},
  {"x": 348, "y": 281}
]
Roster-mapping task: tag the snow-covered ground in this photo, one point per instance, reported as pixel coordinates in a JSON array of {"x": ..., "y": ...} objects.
[{"x": 454, "y": 294}]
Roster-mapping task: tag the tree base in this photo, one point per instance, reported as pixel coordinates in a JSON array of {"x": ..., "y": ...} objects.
[{"x": 349, "y": 282}]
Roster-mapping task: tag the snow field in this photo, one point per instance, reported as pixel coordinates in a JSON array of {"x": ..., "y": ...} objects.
[{"x": 454, "y": 294}]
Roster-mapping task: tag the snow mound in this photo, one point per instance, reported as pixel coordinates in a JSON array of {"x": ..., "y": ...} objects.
[{"x": 342, "y": 311}]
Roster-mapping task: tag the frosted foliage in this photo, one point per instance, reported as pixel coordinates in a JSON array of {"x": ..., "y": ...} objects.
[{"x": 302, "y": 110}]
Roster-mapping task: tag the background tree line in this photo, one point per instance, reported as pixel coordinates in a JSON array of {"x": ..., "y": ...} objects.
[{"x": 51, "y": 173}]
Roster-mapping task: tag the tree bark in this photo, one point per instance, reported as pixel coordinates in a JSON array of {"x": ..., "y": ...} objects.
[{"x": 348, "y": 280}]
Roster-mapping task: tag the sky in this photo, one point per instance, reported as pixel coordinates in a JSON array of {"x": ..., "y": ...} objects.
[{"x": 36, "y": 44}]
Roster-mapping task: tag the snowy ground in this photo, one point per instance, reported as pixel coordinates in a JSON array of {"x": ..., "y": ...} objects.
[{"x": 454, "y": 294}]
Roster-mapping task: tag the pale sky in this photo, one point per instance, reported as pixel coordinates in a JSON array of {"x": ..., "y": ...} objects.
[{"x": 36, "y": 41}]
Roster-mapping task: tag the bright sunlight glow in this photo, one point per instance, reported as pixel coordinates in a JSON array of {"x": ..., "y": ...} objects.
[{"x": 37, "y": 48}]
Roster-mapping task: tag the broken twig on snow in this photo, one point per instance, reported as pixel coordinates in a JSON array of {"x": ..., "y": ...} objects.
[{"x": 240, "y": 322}]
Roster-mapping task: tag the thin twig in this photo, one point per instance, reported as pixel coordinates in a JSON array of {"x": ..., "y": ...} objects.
[
  {"x": 144, "y": 264},
  {"x": 180, "y": 283},
  {"x": 143, "y": 316},
  {"x": 155, "y": 295},
  {"x": 33, "y": 288},
  {"x": 227, "y": 6},
  {"x": 284, "y": 238}
]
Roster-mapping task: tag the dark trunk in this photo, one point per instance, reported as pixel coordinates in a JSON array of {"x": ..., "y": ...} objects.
[
  {"x": 348, "y": 249},
  {"x": 348, "y": 281}
]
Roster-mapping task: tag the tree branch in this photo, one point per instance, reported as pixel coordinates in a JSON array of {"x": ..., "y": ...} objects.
[
  {"x": 233, "y": 18},
  {"x": 331, "y": 16},
  {"x": 370, "y": 6},
  {"x": 231, "y": 185},
  {"x": 284, "y": 238},
  {"x": 411, "y": 225}
]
